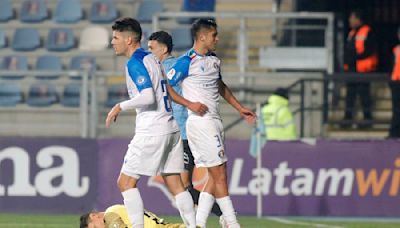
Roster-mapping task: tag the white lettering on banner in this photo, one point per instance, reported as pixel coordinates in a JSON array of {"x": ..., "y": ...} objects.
[
  {"x": 71, "y": 183},
  {"x": 301, "y": 184},
  {"x": 21, "y": 185},
  {"x": 263, "y": 183},
  {"x": 234, "y": 187},
  {"x": 335, "y": 176}
]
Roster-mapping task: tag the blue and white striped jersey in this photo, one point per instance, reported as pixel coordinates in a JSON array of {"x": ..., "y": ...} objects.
[
  {"x": 143, "y": 71},
  {"x": 200, "y": 76}
]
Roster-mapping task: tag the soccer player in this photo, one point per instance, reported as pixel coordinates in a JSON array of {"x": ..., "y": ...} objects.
[
  {"x": 156, "y": 146},
  {"x": 198, "y": 71},
  {"x": 160, "y": 44},
  {"x": 116, "y": 216}
]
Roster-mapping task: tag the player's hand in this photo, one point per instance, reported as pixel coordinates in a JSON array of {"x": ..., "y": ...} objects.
[
  {"x": 198, "y": 108},
  {"x": 112, "y": 115},
  {"x": 248, "y": 115}
]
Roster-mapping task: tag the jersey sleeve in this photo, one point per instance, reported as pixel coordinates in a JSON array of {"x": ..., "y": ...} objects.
[
  {"x": 179, "y": 71},
  {"x": 139, "y": 75}
]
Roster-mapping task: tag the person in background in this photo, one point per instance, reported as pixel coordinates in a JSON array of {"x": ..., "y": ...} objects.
[
  {"x": 360, "y": 56},
  {"x": 394, "y": 131},
  {"x": 278, "y": 119}
]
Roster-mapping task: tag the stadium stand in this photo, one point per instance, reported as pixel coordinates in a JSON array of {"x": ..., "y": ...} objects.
[
  {"x": 82, "y": 62},
  {"x": 6, "y": 11},
  {"x": 94, "y": 38},
  {"x": 103, "y": 11},
  {"x": 10, "y": 94},
  {"x": 14, "y": 63},
  {"x": 147, "y": 9},
  {"x": 71, "y": 95},
  {"x": 68, "y": 11},
  {"x": 60, "y": 39},
  {"x": 20, "y": 41},
  {"x": 33, "y": 11},
  {"x": 3, "y": 40},
  {"x": 116, "y": 93},
  {"x": 49, "y": 63},
  {"x": 42, "y": 94},
  {"x": 146, "y": 32},
  {"x": 182, "y": 39}
]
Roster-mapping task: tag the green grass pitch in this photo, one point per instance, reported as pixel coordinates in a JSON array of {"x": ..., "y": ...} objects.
[{"x": 71, "y": 221}]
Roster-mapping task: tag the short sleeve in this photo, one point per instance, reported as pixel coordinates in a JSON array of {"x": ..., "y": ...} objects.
[
  {"x": 179, "y": 71},
  {"x": 139, "y": 75}
]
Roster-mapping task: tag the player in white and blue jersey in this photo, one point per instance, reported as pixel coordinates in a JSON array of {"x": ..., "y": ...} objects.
[
  {"x": 160, "y": 44},
  {"x": 198, "y": 71},
  {"x": 156, "y": 146}
]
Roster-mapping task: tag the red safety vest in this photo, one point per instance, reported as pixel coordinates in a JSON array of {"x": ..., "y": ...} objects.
[
  {"x": 396, "y": 67},
  {"x": 370, "y": 63}
]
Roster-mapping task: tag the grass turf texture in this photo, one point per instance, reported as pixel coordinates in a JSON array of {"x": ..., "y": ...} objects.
[{"x": 67, "y": 221}]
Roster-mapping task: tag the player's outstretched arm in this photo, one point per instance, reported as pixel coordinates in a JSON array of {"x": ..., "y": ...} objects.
[
  {"x": 144, "y": 98},
  {"x": 227, "y": 94},
  {"x": 196, "y": 107},
  {"x": 113, "y": 114}
]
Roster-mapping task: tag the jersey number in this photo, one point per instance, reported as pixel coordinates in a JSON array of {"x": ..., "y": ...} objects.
[{"x": 167, "y": 102}]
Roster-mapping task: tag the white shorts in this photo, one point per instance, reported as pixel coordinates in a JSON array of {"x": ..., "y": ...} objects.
[
  {"x": 206, "y": 140},
  {"x": 152, "y": 155}
]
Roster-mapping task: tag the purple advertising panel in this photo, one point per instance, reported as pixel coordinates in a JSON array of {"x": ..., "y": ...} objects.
[
  {"x": 47, "y": 175},
  {"x": 333, "y": 178}
]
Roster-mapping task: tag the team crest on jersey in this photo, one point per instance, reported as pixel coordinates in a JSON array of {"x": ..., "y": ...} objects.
[
  {"x": 221, "y": 153},
  {"x": 140, "y": 80},
  {"x": 216, "y": 66},
  {"x": 171, "y": 73}
]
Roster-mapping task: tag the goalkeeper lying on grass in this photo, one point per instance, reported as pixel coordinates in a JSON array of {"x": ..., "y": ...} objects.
[{"x": 116, "y": 216}]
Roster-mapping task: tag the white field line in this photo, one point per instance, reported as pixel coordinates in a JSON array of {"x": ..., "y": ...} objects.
[
  {"x": 5, "y": 225},
  {"x": 292, "y": 222}
]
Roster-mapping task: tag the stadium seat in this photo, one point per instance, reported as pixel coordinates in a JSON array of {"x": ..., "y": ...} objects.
[
  {"x": 115, "y": 94},
  {"x": 94, "y": 38},
  {"x": 14, "y": 63},
  {"x": 182, "y": 38},
  {"x": 10, "y": 94},
  {"x": 20, "y": 41},
  {"x": 60, "y": 39},
  {"x": 42, "y": 95},
  {"x": 71, "y": 95},
  {"x": 33, "y": 11},
  {"x": 49, "y": 63},
  {"x": 147, "y": 9},
  {"x": 103, "y": 11},
  {"x": 196, "y": 6},
  {"x": 82, "y": 62},
  {"x": 146, "y": 32},
  {"x": 68, "y": 11},
  {"x": 6, "y": 11},
  {"x": 3, "y": 40}
]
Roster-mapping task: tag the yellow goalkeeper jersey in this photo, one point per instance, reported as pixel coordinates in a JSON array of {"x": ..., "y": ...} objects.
[{"x": 116, "y": 216}]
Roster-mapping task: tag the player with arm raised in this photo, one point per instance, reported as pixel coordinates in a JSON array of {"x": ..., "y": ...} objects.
[
  {"x": 199, "y": 72},
  {"x": 156, "y": 146}
]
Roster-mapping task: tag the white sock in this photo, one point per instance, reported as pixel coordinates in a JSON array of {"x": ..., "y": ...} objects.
[
  {"x": 134, "y": 205},
  {"x": 225, "y": 203},
  {"x": 185, "y": 205},
  {"x": 206, "y": 201}
]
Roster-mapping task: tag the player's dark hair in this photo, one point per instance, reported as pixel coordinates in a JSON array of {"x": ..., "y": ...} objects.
[
  {"x": 163, "y": 38},
  {"x": 202, "y": 23},
  {"x": 128, "y": 24},
  {"x": 84, "y": 220}
]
